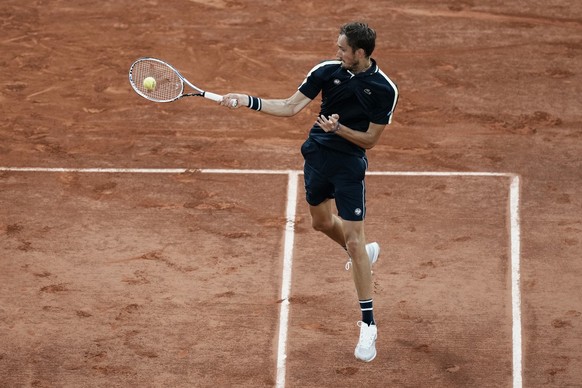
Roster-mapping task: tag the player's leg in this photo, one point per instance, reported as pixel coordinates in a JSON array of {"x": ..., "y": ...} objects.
[
  {"x": 362, "y": 275},
  {"x": 319, "y": 191},
  {"x": 350, "y": 197},
  {"x": 323, "y": 220},
  {"x": 356, "y": 245},
  {"x": 350, "y": 194}
]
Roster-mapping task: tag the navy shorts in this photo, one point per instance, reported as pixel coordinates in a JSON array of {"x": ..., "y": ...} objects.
[{"x": 333, "y": 174}]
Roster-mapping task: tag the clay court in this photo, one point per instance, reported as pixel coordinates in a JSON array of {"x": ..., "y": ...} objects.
[{"x": 170, "y": 245}]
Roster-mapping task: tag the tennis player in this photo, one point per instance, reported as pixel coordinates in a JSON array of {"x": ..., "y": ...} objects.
[{"x": 357, "y": 102}]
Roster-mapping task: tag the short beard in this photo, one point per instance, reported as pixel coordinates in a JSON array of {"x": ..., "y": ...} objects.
[{"x": 346, "y": 67}]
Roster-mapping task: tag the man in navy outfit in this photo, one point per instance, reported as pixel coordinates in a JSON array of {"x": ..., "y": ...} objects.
[{"x": 357, "y": 102}]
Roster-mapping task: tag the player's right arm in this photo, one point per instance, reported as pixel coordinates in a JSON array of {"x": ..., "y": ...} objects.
[{"x": 275, "y": 107}]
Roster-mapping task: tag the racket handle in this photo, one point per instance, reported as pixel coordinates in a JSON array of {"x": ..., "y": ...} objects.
[
  {"x": 218, "y": 98},
  {"x": 213, "y": 97}
]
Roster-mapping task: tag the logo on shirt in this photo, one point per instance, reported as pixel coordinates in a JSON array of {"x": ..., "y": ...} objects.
[
  {"x": 336, "y": 81},
  {"x": 368, "y": 92}
]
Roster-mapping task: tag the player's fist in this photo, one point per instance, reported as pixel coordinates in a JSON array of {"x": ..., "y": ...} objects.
[{"x": 233, "y": 100}]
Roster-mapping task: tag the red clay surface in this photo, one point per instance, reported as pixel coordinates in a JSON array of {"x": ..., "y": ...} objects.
[{"x": 174, "y": 279}]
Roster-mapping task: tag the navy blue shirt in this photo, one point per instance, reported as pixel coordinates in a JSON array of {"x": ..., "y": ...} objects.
[{"x": 359, "y": 99}]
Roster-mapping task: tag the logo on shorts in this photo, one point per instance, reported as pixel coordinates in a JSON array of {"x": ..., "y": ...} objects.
[
  {"x": 336, "y": 81},
  {"x": 358, "y": 212}
]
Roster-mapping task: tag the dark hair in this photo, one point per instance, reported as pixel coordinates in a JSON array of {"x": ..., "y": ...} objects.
[{"x": 359, "y": 36}]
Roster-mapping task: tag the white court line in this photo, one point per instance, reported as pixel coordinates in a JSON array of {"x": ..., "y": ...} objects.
[
  {"x": 515, "y": 279},
  {"x": 515, "y": 241},
  {"x": 440, "y": 173},
  {"x": 144, "y": 170},
  {"x": 107, "y": 170},
  {"x": 286, "y": 278}
]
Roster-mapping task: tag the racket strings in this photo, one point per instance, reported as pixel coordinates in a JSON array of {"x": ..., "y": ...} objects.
[{"x": 168, "y": 84}]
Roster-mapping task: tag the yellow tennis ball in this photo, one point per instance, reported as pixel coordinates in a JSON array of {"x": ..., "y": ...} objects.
[{"x": 149, "y": 83}]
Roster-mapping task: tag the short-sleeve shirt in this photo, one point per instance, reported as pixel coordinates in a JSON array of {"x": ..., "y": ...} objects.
[{"x": 359, "y": 99}]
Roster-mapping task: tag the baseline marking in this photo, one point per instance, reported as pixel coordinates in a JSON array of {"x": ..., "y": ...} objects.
[
  {"x": 515, "y": 241},
  {"x": 242, "y": 171}
]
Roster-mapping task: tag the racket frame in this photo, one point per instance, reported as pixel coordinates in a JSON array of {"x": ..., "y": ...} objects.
[{"x": 183, "y": 80}]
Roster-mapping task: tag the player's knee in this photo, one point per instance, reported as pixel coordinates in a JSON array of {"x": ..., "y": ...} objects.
[
  {"x": 321, "y": 225},
  {"x": 353, "y": 245}
]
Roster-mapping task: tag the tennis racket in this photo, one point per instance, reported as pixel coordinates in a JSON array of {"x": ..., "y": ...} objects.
[{"x": 168, "y": 84}]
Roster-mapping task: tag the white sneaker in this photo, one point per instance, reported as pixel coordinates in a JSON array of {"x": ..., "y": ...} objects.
[
  {"x": 373, "y": 251},
  {"x": 366, "y": 348}
]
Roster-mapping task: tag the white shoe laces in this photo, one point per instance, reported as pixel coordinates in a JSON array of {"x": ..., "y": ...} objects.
[
  {"x": 366, "y": 337},
  {"x": 348, "y": 264}
]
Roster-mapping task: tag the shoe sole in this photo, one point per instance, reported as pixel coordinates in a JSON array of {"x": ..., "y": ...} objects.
[{"x": 371, "y": 359}]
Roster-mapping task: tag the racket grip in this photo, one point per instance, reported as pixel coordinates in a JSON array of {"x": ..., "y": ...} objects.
[{"x": 213, "y": 97}]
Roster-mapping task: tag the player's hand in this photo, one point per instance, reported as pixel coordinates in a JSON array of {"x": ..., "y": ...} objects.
[
  {"x": 234, "y": 100},
  {"x": 329, "y": 123}
]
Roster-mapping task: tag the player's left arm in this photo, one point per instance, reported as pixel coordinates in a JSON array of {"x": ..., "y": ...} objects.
[{"x": 365, "y": 140}]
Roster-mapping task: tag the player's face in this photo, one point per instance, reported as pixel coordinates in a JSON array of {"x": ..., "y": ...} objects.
[{"x": 345, "y": 53}]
